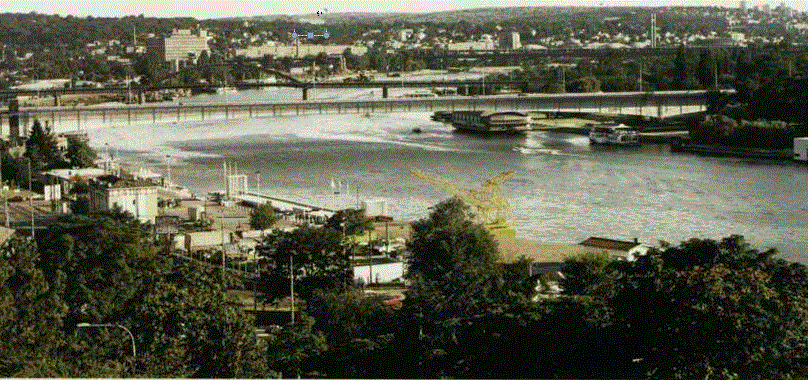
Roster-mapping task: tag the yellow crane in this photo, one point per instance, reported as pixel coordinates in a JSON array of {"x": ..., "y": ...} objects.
[{"x": 492, "y": 208}]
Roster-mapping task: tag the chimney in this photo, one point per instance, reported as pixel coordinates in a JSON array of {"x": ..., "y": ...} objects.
[{"x": 636, "y": 241}]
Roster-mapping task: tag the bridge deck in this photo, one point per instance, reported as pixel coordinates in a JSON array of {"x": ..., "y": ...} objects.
[{"x": 657, "y": 104}]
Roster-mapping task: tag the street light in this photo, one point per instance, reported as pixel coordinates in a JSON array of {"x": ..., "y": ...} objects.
[
  {"x": 292, "y": 282},
  {"x": 5, "y": 195},
  {"x": 168, "y": 171},
  {"x": 31, "y": 196},
  {"x": 134, "y": 350}
]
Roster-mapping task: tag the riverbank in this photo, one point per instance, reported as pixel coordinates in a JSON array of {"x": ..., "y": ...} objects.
[{"x": 732, "y": 151}]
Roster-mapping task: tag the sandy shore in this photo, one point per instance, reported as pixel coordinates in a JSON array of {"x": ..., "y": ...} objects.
[{"x": 511, "y": 250}]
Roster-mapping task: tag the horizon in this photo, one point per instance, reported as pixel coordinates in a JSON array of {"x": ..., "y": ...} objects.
[{"x": 216, "y": 9}]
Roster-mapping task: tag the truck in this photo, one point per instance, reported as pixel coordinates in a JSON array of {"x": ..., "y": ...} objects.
[{"x": 206, "y": 239}]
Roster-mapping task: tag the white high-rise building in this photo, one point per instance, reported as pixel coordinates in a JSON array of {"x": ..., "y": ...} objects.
[
  {"x": 181, "y": 45},
  {"x": 511, "y": 41}
]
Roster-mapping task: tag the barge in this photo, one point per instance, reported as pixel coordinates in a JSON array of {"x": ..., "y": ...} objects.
[{"x": 491, "y": 122}]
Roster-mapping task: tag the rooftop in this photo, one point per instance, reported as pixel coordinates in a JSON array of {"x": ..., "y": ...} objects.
[
  {"x": 615, "y": 245},
  {"x": 74, "y": 174},
  {"x": 113, "y": 182}
]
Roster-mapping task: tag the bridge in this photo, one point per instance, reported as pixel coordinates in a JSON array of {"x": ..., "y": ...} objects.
[
  {"x": 305, "y": 86},
  {"x": 652, "y": 104},
  {"x": 581, "y": 52}
]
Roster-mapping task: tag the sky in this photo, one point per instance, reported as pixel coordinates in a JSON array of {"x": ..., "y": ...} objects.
[{"x": 204, "y": 9}]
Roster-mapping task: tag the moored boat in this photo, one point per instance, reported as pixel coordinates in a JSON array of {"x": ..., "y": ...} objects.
[
  {"x": 491, "y": 122},
  {"x": 613, "y": 134}
]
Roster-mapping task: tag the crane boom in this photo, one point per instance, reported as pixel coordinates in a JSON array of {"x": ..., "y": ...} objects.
[{"x": 492, "y": 207}]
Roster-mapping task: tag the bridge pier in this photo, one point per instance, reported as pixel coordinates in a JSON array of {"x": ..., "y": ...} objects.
[
  {"x": 140, "y": 97},
  {"x": 305, "y": 93},
  {"x": 13, "y": 118},
  {"x": 384, "y": 92},
  {"x": 56, "y": 100}
]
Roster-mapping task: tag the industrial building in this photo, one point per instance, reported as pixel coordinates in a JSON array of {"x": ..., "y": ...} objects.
[
  {"x": 137, "y": 197},
  {"x": 298, "y": 51}
]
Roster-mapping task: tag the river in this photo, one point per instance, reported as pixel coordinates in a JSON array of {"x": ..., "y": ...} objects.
[{"x": 564, "y": 190}]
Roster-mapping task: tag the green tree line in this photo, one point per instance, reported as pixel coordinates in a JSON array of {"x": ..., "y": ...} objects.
[{"x": 700, "y": 309}]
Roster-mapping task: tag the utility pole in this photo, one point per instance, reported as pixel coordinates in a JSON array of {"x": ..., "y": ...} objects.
[
  {"x": 370, "y": 258},
  {"x": 5, "y": 196},
  {"x": 31, "y": 199},
  {"x": 292, "y": 282},
  {"x": 639, "y": 77},
  {"x": 386, "y": 238},
  {"x": 168, "y": 171},
  {"x": 715, "y": 74},
  {"x": 221, "y": 228}
]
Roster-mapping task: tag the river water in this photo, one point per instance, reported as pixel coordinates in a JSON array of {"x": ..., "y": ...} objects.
[{"x": 564, "y": 190}]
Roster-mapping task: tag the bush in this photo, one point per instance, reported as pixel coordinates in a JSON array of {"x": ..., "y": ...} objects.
[{"x": 723, "y": 130}]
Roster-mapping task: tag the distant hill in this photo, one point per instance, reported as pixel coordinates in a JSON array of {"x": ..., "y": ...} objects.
[{"x": 473, "y": 16}]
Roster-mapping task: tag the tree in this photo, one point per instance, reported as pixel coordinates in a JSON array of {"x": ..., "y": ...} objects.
[
  {"x": 32, "y": 310},
  {"x": 294, "y": 350},
  {"x": 698, "y": 309},
  {"x": 187, "y": 326},
  {"x": 449, "y": 243},
  {"x": 359, "y": 332},
  {"x": 80, "y": 154},
  {"x": 263, "y": 217},
  {"x": 41, "y": 147},
  {"x": 592, "y": 274},
  {"x": 453, "y": 279},
  {"x": 320, "y": 261},
  {"x": 353, "y": 221},
  {"x": 183, "y": 321}
]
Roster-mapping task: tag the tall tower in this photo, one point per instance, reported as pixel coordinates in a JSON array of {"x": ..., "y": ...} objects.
[
  {"x": 653, "y": 31},
  {"x": 742, "y": 6}
]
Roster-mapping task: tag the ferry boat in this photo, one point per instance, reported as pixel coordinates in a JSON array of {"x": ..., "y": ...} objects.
[
  {"x": 613, "y": 134},
  {"x": 491, "y": 122},
  {"x": 442, "y": 116}
]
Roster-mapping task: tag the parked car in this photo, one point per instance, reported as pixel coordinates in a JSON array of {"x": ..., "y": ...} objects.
[{"x": 17, "y": 198}]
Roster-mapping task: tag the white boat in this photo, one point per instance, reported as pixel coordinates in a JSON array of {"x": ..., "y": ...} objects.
[
  {"x": 226, "y": 90},
  {"x": 613, "y": 134},
  {"x": 421, "y": 94}
]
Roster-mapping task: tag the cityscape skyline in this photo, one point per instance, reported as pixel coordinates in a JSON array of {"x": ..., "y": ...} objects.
[{"x": 219, "y": 9}]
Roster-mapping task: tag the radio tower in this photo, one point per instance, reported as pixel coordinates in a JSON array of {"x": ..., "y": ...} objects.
[{"x": 653, "y": 30}]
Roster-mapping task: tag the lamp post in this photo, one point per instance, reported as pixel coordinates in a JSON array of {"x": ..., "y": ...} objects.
[
  {"x": 132, "y": 337},
  {"x": 5, "y": 196},
  {"x": 168, "y": 171},
  {"x": 31, "y": 197},
  {"x": 292, "y": 282}
]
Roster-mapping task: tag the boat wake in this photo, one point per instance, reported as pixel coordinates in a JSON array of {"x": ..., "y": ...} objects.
[{"x": 543, "y": 151}]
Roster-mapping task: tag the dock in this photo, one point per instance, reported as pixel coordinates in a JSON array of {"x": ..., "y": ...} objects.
[{"x": 255, "y": 199}]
